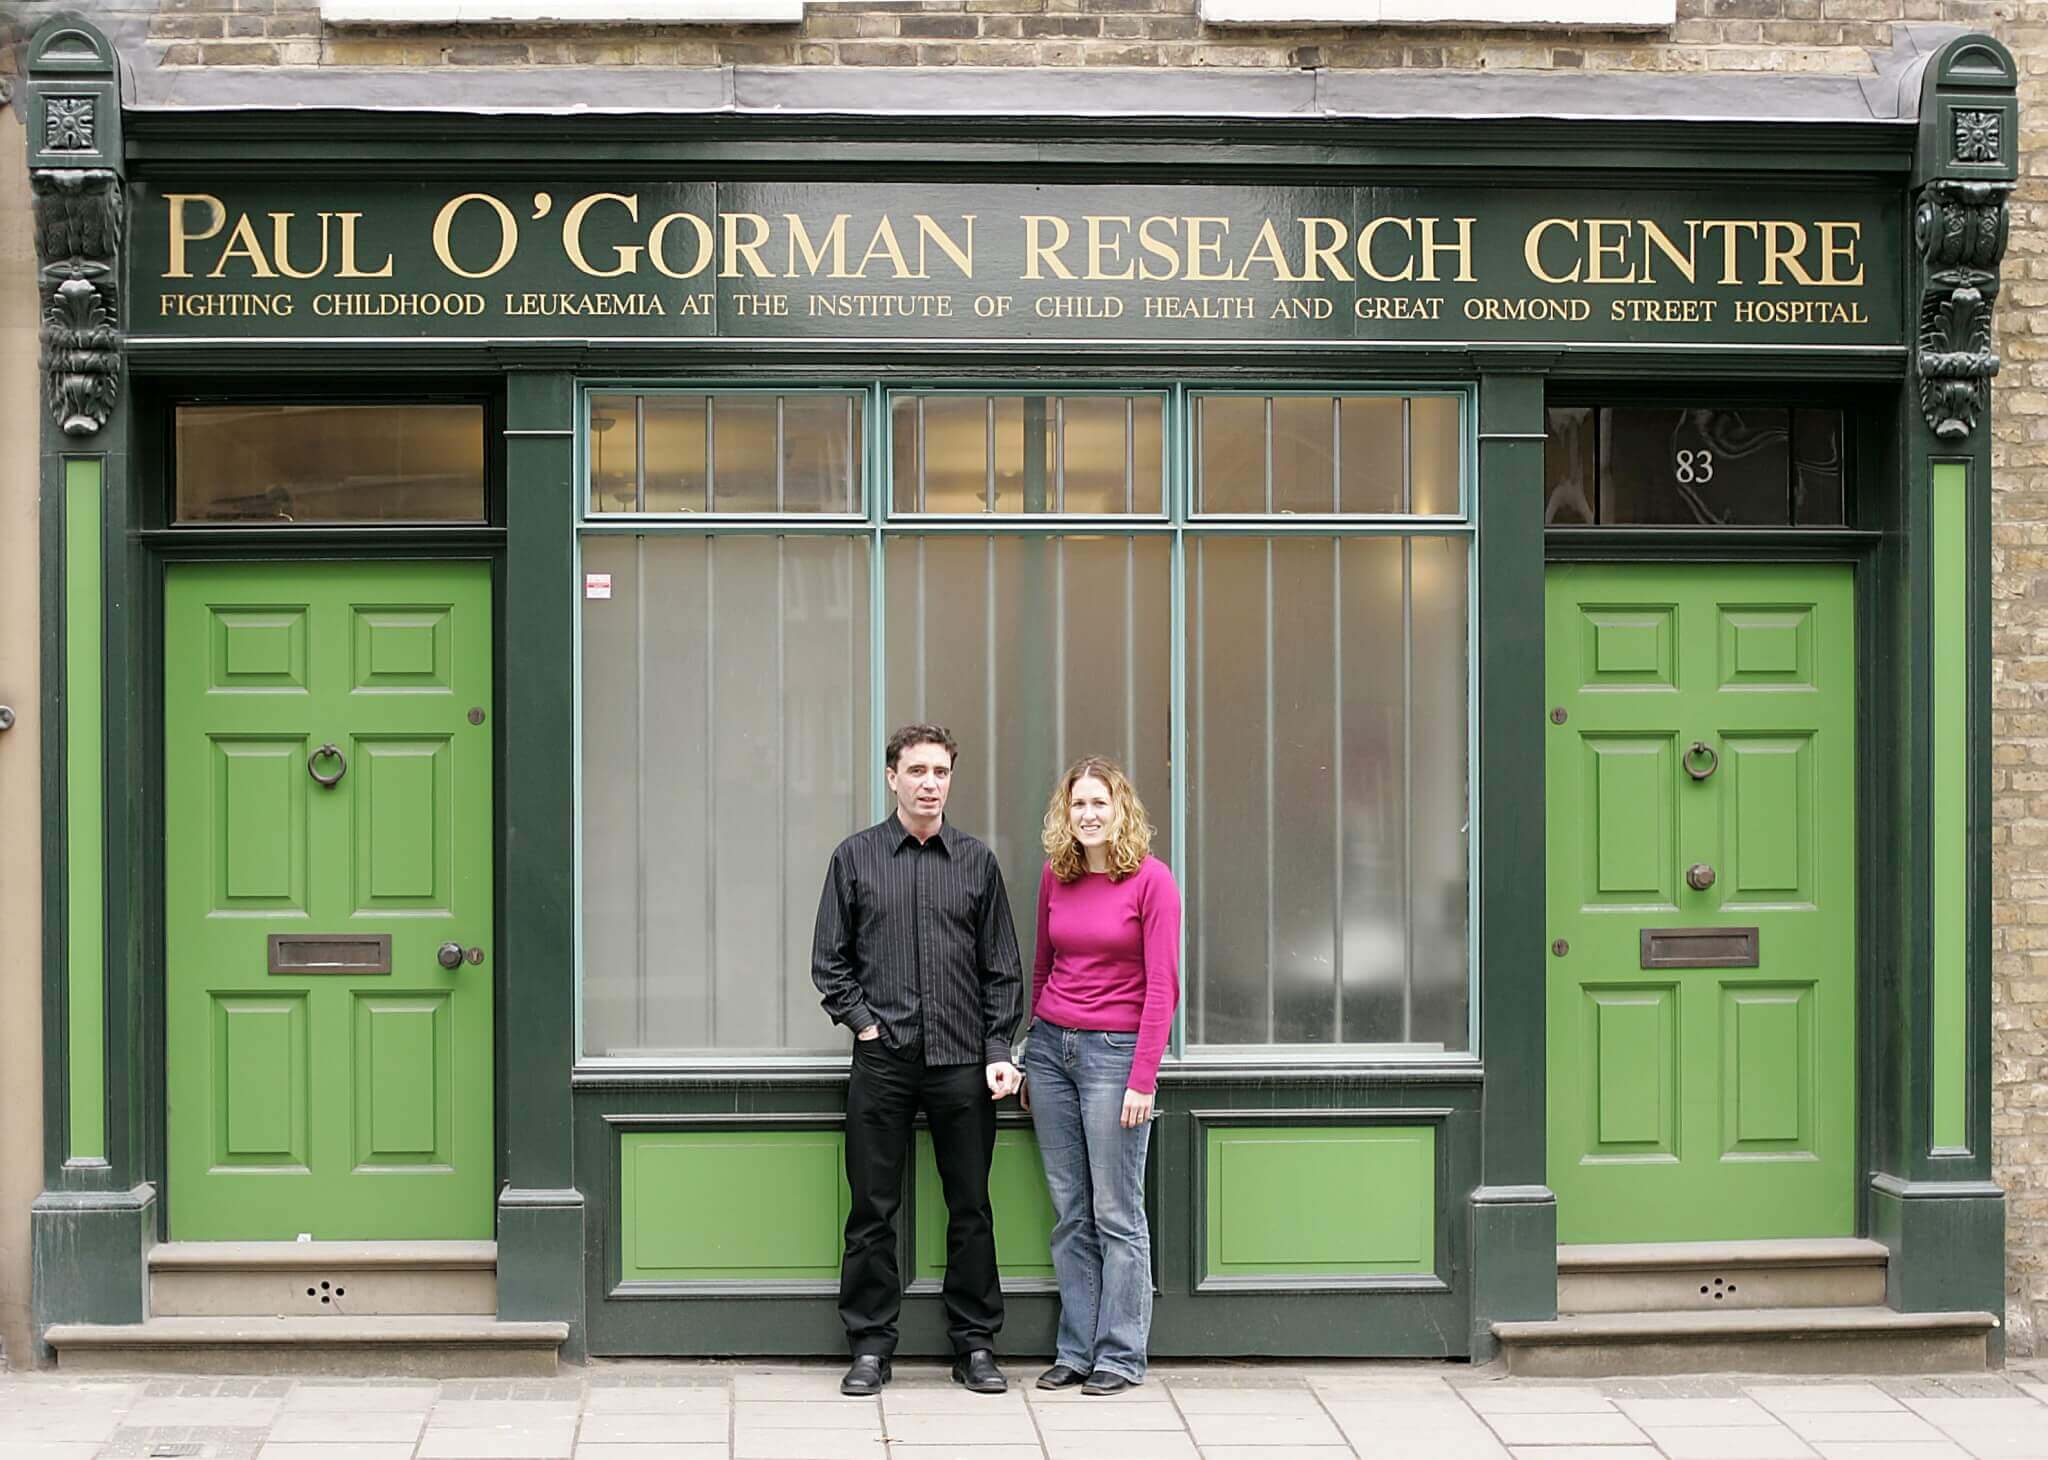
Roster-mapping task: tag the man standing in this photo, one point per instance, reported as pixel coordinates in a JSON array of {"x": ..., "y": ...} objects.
[{"x": 915, "y": 953}]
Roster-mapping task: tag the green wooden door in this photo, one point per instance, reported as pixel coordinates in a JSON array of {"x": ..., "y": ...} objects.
[
  {"x": 1691, "y": 1097},
  {"x": 325, "y": 1073}
]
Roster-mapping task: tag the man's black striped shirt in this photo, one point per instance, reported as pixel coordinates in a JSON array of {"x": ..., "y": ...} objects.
[{"x": 917, "y": 937}]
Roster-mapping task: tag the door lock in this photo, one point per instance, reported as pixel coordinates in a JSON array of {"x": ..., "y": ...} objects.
[
  {"x": 1699, "y": 877},
  {"x": 449, "y": 955}
]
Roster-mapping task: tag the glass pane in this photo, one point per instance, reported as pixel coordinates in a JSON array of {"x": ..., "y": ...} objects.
[
  {"x": 1304, "y": 453},
  {"x": 1372, "y": 452},
  {"x": 678, "y": 464},
  {"x": 1026, "y": 454},
  {"x": 1230, "y": 453},
  {"x": 1818, "y": 469},
  {"x": 614, "y": 450},
  {"x": 282, "y": 464},
  {"x": 1720, "y": 468},
  {"x": 1148, "y": 454},
  {"x": 1102, "y": 469},
  {"x": 725, "y": 752},
  {"x": 744, "y": 457},
  {"x": 1439, "y": 863},
  {"x": 1034, "y": 651},
  {"x": 954, "y": 430},
  {"x": 821, "y": 453},
  {"x": 1568, "y": 449},
  {"x": 1433, "y": 443},
  {"x": 1329, "y": 792}
]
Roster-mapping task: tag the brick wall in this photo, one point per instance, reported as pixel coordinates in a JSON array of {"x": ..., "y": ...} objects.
[{"x": 1833, "y": 36}]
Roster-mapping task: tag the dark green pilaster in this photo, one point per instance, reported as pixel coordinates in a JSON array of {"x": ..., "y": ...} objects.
[
  {"x": 1514, "y": 1215},
  {"x": 1932, "y": 1200},
  {"x": 97, "y": 1215},
  {"x": 540, "y": 1210}
]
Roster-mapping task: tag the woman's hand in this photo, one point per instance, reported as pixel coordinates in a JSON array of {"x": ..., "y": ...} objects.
[{"x": 1137, "y": 1109}]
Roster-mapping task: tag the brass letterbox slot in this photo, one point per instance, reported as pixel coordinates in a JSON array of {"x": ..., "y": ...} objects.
[
  {"x": 1699, "y": 948},
  {"x": 330, "y": 953}
]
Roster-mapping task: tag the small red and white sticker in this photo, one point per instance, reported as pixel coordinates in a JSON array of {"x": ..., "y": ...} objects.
[{"x": 597, "y": 585}]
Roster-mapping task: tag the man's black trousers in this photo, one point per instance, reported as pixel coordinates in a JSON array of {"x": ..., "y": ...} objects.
[{"x": 882, "y": 1099}]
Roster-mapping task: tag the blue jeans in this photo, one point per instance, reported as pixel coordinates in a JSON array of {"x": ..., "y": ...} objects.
[{"x": 1101, "y": 1246}]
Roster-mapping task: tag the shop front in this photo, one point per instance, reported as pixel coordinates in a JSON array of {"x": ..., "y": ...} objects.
[{"x": 1534, "y": 569}]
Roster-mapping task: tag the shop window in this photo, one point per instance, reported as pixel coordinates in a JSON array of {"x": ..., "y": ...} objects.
[
  {"x": 1696, "y": 466},
  {"x": 725, "y": 751},
  {"x": 1028, "y": 454},
  {"x": 329, "y": 464},
  {"x": 1275, "y": 644},
  {"x": 745, "y": 454},
  {"x": 1327, "y": 881}
]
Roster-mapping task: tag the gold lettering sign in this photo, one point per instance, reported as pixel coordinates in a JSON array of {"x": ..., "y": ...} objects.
[{"x": 1110, "y": 261}]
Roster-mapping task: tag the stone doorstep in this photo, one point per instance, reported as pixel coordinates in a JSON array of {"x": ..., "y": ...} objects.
[
  {"x": 1824, "y": 1272},
  {"x": 446, "y": 1347},
  {"x": 1858, "y": 1340},
  {"x": 322, "y": 1279},
  {"x": 264, "y": 1256}
]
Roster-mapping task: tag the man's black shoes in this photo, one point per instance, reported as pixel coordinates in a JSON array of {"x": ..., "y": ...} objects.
[
  {"x": 979, "y": 1373},
  {"x": 867, "y": 1376},
  {"x": 1059, "y": 1376},
  {"x": 1102, "y": 1381}
]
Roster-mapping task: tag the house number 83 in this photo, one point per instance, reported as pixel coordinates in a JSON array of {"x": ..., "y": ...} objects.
[{"x": 1695, "y": 466}]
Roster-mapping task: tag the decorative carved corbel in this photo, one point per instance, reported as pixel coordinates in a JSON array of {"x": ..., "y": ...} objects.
[
  {"x": 78, "y": 250},
  {"x": 1960, "y": 229}
]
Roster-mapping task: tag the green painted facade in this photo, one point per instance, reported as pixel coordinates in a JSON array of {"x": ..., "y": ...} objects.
[
  {"x": 1018, "y": 1195},
  {"x": 84, "y": 805},
  {"x": 733, "y": 1206},
  {"x": 1949, "y": 514},
  {"x": 1319, "y": 1201},
  {"x": 1323, "y": 1203}
]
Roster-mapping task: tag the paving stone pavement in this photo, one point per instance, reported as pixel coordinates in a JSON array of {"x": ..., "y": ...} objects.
[{"x": 788, "y": 1411}]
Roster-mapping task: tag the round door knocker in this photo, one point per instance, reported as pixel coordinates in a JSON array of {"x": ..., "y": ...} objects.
[
  {"x": 340, "y": 764},
  {"x": 1691, "y": 760}
]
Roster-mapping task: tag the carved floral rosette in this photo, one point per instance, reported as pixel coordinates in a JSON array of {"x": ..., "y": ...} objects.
[
  {"x": 78, "y": 248},
  {"x": 1960, "y": 230}
]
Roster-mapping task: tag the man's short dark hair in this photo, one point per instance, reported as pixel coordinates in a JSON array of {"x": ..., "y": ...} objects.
[{"x": 911, "y": 735}]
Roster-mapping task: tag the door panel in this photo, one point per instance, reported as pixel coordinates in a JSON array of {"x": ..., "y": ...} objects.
[
  {"x": 1691, "y": 1103},
  {"x": 350, "y": 1096}
]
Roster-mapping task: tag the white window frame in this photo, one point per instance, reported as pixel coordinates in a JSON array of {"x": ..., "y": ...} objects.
[
  {"x": 1605, "y": 14},
  {"x": 560, "y": 12}
]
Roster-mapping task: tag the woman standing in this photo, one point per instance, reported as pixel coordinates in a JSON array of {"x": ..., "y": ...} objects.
[{"x": 1103, "y": 990}]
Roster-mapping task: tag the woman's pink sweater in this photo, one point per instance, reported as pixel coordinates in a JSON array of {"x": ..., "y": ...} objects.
[{"x": 1109, "y": 958}]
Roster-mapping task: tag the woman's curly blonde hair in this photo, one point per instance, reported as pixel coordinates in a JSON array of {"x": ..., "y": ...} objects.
[{"x": 1130, "y": 833}]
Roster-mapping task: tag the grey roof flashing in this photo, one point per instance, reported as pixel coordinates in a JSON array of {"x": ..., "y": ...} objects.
[{"x": 1890, "y": 94}]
